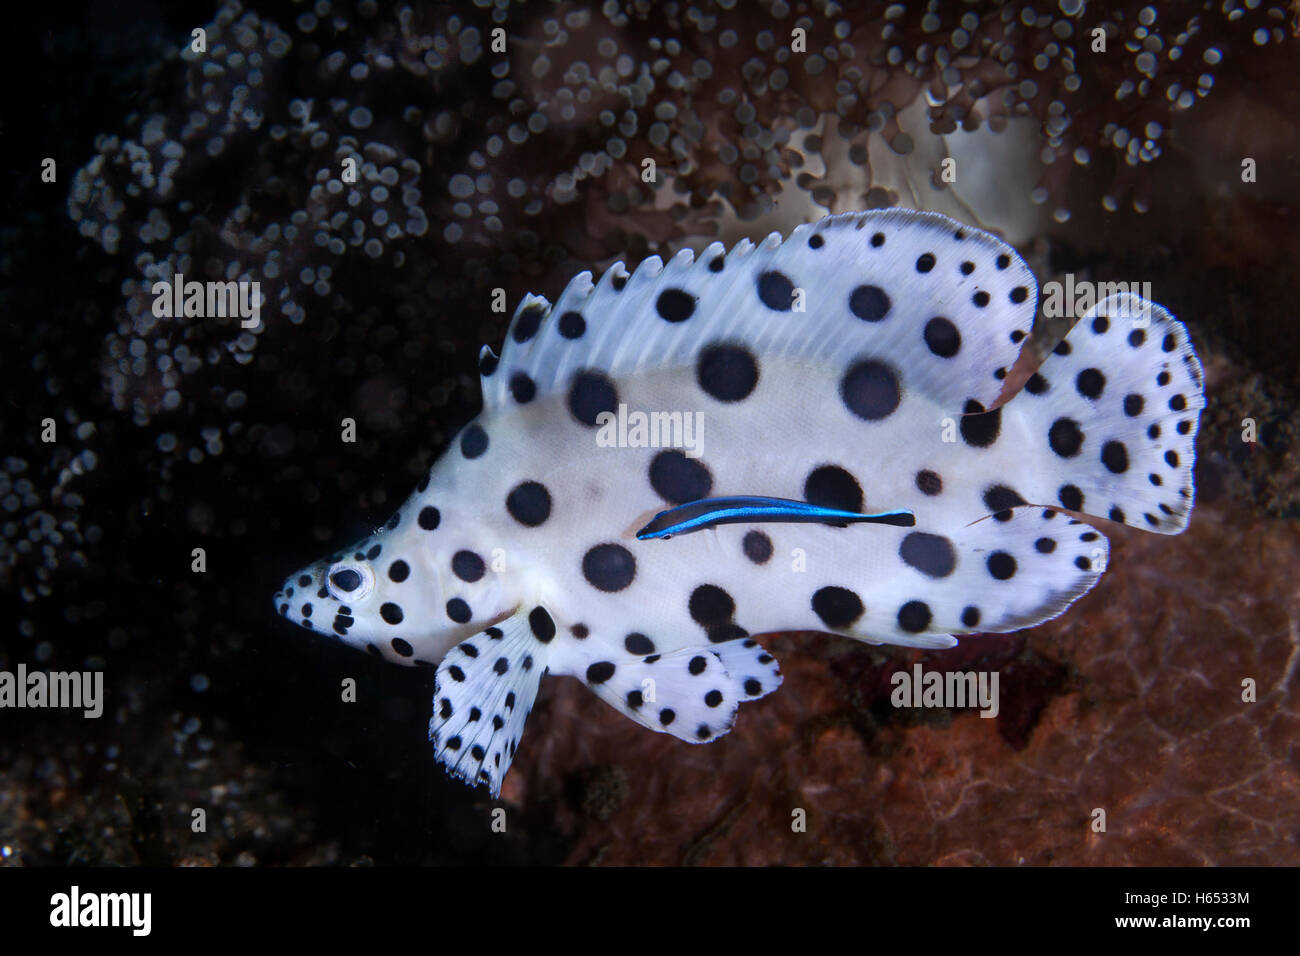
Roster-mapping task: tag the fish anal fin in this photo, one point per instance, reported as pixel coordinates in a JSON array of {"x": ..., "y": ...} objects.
[
  {"x": 692, "y": 693},
  {"x": 1014, "y": 569}
]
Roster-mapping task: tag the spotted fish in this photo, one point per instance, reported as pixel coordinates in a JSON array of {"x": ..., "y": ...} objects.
[{"x": 855, "y": 366}]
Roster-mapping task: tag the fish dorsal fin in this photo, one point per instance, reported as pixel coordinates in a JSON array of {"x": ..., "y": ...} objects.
[{"x": 943, "y": 305}]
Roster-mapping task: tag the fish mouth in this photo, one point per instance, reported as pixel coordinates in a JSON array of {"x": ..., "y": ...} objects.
[
  {"x": 285, "y": 609},
  {"x": 295, "y": 596}
]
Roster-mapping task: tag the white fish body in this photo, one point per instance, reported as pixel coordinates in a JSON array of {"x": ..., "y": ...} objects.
[{"x": 848, "y": 365}]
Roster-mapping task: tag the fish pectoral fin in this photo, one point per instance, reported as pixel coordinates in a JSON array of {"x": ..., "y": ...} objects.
[
  {"x": 483, "y": 693},
  {"x": 692, "y": 693},
  {"x": 757, "y": 509}
]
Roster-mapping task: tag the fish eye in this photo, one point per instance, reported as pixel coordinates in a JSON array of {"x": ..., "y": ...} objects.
[{"x": 349, "y": 582}]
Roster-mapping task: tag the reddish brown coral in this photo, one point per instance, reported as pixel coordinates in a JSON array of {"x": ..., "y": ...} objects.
[{"x": 1149, "y": 726}]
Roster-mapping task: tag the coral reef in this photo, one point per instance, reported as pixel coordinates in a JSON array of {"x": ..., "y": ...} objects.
[
  {"x": 479, "y": 169},
  {"x": 238, "y": 174},
  {"x": 1132, "y": 704}
]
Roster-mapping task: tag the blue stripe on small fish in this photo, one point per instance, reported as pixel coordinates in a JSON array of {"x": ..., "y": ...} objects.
[{"x": 708, "y": 512}]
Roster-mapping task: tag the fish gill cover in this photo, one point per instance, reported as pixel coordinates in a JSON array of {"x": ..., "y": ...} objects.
[{"x": 395, "y": 179}]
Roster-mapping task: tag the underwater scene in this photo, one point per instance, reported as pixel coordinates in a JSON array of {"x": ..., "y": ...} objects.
[{"x": 705, "y": 432}]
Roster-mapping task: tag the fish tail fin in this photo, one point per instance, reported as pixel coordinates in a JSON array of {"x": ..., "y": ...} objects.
[{"x": 1118, "y": 403}]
